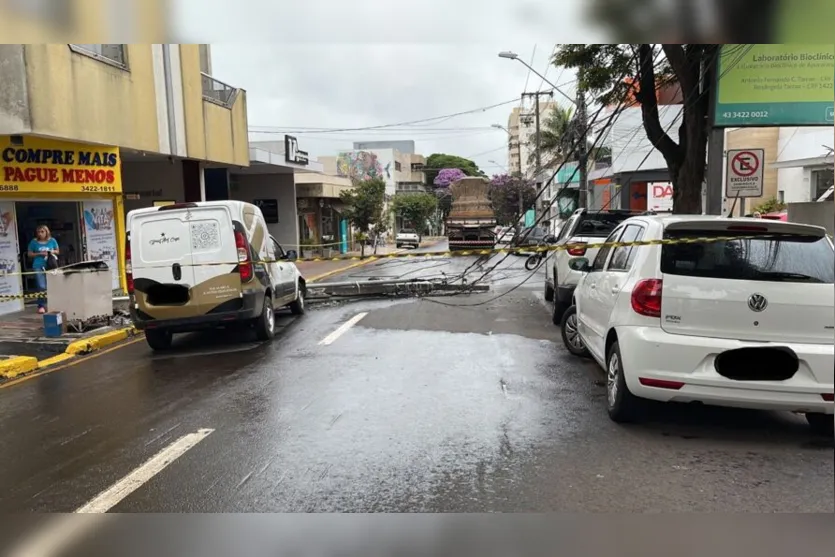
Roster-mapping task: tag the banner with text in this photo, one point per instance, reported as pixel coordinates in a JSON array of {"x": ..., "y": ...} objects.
[
  {"x": 100, "y": 235},
  {"x": 9, "y": 251},
  {"x": 34, "y": 164},
  {"x": 775, "y": 85}
]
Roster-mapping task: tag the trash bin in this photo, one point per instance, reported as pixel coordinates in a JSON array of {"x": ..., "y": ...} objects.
[{"x": 81, "y": 290}]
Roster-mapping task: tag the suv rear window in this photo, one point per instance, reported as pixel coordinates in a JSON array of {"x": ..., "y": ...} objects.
[
  {"x": 599, "y": 225},
  {"x": 408, "y": 231},
  {"x": 789, "y": 259}
]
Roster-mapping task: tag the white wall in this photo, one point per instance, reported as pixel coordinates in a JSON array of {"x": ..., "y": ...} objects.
[
  {"x": 154, "y": 181},
  {"x": 800, "y": 143},
  {"x": 629, "y": 143},
  {"x": 280, "y": 187}
]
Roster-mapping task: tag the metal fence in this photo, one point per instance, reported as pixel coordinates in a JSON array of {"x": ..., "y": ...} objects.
[{"x": 218, "y": 92}]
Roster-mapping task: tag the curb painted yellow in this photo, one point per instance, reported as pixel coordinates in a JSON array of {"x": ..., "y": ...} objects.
[
  {"x": 98, "y": 342},
  {"x": 54, "y": 360},
  {"x": 17, "y": 365}
]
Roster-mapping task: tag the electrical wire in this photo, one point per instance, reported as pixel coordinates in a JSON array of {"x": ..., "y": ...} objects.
[{"x": 411, "y": 122}]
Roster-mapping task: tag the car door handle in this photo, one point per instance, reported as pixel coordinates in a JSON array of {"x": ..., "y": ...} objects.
[
  {"x": 592, "y": 286},
  {"x": 615, "y": 289}
]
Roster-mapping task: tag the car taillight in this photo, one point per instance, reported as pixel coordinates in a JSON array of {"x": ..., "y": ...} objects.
[
  {"x": 577, "y": 250},
  {"x": 646, "y": 298},
  {"x": 244, "y": 265},
  {"x": 828, "y": 397},
  {"x": 128, "y": 266}
]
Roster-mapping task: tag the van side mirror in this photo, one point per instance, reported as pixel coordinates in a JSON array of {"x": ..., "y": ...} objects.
[
  {"x": 579, "y": 264},
  {"x": 292, "y": 255}
]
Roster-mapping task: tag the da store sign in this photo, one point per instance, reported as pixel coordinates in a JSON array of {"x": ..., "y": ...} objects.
[
  {"x": 775, "y": 85},
  {"x": 42, "y": 165}
]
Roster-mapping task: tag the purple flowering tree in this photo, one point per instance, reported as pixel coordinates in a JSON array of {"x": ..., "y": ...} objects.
[
  {"x": 505, "y": 193},
  {"x": 446, "y": 176}
]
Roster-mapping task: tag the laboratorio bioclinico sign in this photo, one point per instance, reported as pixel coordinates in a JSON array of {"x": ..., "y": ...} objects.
[
  {"x": 775, "y": 85},
  {"x": 31, "y": 164}
]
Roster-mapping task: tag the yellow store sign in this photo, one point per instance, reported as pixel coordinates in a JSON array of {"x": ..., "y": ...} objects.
[{"x": 44, "y": 165}]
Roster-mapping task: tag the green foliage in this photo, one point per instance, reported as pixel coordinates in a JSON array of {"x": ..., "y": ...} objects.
[
  {"x": 618, "y": 74},
  {"x": 770, "y": 205},
  {"x": 415, "y": 209},
  {"x": 439, "y": 161},
  {"x": 364, "y": 205}
]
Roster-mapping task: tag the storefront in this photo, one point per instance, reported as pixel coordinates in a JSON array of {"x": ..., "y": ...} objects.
[{"x": 76, "y": 190}]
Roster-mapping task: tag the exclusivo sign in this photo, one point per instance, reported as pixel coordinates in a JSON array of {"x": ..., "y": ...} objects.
[{"x": 660, "y": 197}]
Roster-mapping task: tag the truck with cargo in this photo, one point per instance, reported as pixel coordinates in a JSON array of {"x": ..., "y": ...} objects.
[{"x": 471, "y": 222}]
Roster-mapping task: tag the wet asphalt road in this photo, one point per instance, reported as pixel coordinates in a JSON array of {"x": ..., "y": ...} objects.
[{"x": 419, "y": 406}]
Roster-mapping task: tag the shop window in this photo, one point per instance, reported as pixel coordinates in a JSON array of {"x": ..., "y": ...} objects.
[
  {"x": 115, "y": 54},
  {"x": 822, "y": 180}
]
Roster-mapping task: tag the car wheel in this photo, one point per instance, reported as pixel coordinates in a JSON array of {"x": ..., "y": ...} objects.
[
  {"x": 571, "y": 334},
  {"x": 549, "y": 292},
  {"x": 398, "y": 246},
  {"x": 159, "y": 339},
  {"x": 821, "y": 424},
  {"x": 265, "y": 323},
  {"x": 622, "y": 405},
  {"x": 297, "y": 306}
]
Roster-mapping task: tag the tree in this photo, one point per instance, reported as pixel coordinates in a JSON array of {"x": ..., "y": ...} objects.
[
  {"x": 415, "y": 208},
  {"x": 505, "y": 191},
  {"x": 365, "y": 207},
  {"x": 606, "y": 69},
  {"x": 438, "y": 161},
  {"x": 558, "y": 139},
  {"x": 447, "y": 176}
]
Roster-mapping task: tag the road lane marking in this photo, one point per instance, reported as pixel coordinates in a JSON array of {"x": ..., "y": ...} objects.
[
  {"x": 341, "y": 330},
  {"x": 136, "y": 479}
]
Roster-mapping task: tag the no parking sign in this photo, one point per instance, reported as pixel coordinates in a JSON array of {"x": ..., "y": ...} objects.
[{"x": 744, "y": 177}]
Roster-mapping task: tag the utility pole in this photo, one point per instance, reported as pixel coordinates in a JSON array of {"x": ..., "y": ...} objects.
[
  {"x": 538, "y": 146},
  {"x": 583, "y": 155}
]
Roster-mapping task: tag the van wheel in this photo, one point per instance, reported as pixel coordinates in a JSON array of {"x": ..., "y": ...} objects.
[
  {"x": 571, "y": 334},
  {"x": 297, "y": 306},
  {"x": 159, "y": 339},
  {"x": 265, "y": 323},
  {"x": 622, "y": 405},
  {"x": 821, "y": 424}
]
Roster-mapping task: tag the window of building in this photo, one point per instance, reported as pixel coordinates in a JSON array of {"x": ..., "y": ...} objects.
[
  {"x": 397, "y": 166},
  {"x": 822, "y": 180},
  {"x": 115, "y": 54},
  {"x": 781, "y": 196}
]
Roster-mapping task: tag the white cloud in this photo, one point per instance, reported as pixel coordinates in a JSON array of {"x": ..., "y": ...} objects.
[{"x": 367, "y": 63}]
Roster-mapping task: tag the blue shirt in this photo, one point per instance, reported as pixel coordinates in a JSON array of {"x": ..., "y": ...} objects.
[{"x": 36, "y": 246}]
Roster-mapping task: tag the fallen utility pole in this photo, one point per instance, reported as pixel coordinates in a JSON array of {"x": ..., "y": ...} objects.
[{"x": 328, "y": 290}]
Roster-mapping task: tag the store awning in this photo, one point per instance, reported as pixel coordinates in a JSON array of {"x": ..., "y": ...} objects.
[{"x": 825, "y": 160}]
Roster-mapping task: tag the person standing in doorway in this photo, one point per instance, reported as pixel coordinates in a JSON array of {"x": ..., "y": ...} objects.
[{"x": 42, "y": 246}]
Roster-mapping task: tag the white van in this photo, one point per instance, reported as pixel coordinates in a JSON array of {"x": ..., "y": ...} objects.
[{"x": 201, "y": 265}]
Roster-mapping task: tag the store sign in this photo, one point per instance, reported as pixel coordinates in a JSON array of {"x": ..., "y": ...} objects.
[
  {"x": 9, "y": 264},
  {"x": 292, "y": 153},
  {"x": 775, "y": 85},
  {"x": 100, "y": 235},
  {"x": 42, "y": 165},
  {"x": 660, "y": 197}
]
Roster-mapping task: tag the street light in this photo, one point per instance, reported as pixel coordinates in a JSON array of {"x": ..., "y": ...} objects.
[
  {"x": 503, "y": 167},
  {"x": 500, "y": 127},
  {"x": 513, "y": 56}
]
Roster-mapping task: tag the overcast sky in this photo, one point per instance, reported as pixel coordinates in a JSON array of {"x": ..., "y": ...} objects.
[{"x": 370, "y": 63}]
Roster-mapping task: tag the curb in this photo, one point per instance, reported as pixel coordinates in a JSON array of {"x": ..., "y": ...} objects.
[{"x": 15, "y": 366}]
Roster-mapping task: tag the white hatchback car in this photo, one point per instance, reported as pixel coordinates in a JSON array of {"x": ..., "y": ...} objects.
[{"x": 748, "y": 322}]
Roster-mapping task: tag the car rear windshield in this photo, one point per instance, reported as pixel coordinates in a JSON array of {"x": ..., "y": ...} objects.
[
  {"x": 788, "y": 259},
  {"x": 599, "y": 225},
  {"x": 407, "y": 231}
]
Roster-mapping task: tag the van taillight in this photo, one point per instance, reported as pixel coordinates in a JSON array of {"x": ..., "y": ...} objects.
[
  {"x": 577, "y": 250},
  {"x": 128, "y": 266},
  {"x": 646, "y": 298},
  {"x": 244, "y": 265}
]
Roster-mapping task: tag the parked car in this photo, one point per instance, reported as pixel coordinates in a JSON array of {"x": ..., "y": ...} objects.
[
  {"x": 582, "y": 231},
  {"x": 407, "y": 237},
  {"x": 529, "y": 237},
  {"x": 745, "y": 322},
  {"x": 193, "y": 266},
  {"x": 505, "y": 234}
]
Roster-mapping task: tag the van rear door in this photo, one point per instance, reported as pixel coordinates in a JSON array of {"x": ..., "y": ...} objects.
[
  {"x": 213, "y": 250},
  {"x": 777, "y": 289},
  {"x": 161, "y": 247}
]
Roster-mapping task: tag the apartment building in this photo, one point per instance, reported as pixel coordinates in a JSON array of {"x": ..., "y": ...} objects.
[
  {"x": 91, "y": 131},
  {"x": 521, "y": 142}
]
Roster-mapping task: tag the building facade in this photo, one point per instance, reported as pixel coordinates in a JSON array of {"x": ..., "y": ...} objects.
[
  {"x": 521, "y": 128},
  {"x": 91, "y": 131}
]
